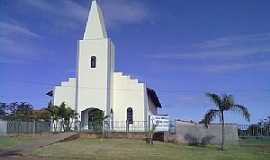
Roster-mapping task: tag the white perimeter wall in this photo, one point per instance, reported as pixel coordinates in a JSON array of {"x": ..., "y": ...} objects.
[
  {"x": 186, "y": 132},
  {"x": 66, "y": 92}
]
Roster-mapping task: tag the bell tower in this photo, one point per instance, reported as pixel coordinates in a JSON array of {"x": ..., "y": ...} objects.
[{"x": 95, "y": 65}]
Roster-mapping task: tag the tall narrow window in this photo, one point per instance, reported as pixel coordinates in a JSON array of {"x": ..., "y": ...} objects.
[
  {"x": 93, "y": 62},
  {"x": 130, "y": 115}
]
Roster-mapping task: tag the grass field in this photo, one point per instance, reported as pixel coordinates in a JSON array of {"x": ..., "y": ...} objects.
[
  {"x": 9, "y": 142},
  {"x": 123, "y": 149}
]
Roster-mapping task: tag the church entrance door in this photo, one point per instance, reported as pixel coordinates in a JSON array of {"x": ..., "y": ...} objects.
[{"x": 95, "y": 120}]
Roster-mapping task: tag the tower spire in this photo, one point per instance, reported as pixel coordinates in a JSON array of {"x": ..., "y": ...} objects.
[{"x": 95, "y": 27}]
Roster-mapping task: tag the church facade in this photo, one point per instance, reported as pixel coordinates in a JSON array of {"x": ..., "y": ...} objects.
[{"x": 98, "y": 86}]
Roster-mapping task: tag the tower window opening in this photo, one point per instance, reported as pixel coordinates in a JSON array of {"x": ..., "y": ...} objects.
[{"x": 93, "y": 62}]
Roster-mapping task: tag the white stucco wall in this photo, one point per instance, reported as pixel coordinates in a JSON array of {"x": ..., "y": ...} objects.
[
  {"x": 94, "y": 84},
  {"x": 128, "y": 92},
  {"x": 66, "y": 92}
]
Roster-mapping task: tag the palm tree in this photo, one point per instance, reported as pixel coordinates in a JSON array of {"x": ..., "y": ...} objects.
[{"x": 223, "y": 103}]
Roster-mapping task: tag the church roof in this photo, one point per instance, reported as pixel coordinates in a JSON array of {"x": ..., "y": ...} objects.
[
  {"x": 152, "y": 94},
  {"x": 50, "y": 93},
  {"x": 95, "y": 26}
]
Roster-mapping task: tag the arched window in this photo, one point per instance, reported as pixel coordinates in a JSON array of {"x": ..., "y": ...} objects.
[
  {"x": 130, "y": 115},
  {"x": 93, "y": 62}
]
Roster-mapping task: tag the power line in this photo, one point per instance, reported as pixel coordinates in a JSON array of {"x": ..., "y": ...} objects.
[{"x": 159, "y": 90}]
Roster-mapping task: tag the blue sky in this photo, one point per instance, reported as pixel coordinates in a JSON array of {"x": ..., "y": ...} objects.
[{"x": 181, "y": 48}]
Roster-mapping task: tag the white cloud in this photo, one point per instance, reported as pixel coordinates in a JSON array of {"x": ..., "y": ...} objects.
[
  {"x": 74, "y": 10},
  {"x": 186, "y": 98},
  {"x": 9, "y": 60},
  {"x": 235, "y": 66},
  {"x": 20, "y": 42},
  {"x": 62, "y": 15},
  {"x": 224, "y": 54},
  {"x": 220, "y": 67},
  {"x": 41, "y": 4},
  {"x": 217, "y": 53},
  {"x": 119, "y": 12},
  {"x": 68, "y": 13},
  {"x": 10, "y": 29},
  {"x": 225, "y": 47},
  {"x": 234, "y": 40},
  {"x": 16, "y": 43}
]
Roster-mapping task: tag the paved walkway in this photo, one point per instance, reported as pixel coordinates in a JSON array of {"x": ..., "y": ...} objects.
[{"x": 23, "y": 151}]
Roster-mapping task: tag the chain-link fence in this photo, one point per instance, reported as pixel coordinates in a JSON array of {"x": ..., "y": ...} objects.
[
  {"x": 32, "y": 127},
  {"x": 114, "y": 126},
  {"x": 254, "y": 130},
  {"x": 125, "y": 126},
  {"x": 24, "y": 127}
]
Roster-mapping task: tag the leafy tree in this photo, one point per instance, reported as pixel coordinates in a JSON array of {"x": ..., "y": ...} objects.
[
  {"x": 223, "y": 103},
  {"x": 69, "y": 116},
  {"x": 54, "y": 113},
  {"x": 2, "y": 110},
  {"x": 19, "y": 111},
  {"x": 63, "y": 113},
  {"x": 262, "y": 128},
  {"x": 96, "y": 115},
  {"x": 24, "y": 111},
  {"x": 42, "y": 114},
  {"x": 96, "y": 118},
  {"x": 11, "y": 110}
]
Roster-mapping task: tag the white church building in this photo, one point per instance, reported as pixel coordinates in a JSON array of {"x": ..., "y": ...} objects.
[{"x": 98, "y": 86}]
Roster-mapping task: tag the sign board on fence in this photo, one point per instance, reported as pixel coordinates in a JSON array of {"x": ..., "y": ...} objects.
[{"x": 162, "y": 123}]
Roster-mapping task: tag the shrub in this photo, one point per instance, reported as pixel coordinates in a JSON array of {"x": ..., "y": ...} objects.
[
  {"x": 196, "y": 141},
  {"x": 206, "y": 140},
  {"x": 192, "y": 140}
]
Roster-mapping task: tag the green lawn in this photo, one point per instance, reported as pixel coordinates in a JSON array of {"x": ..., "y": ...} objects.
[
  {"x": 123, "y": 149},
  {"x": 9, "y": 142}
]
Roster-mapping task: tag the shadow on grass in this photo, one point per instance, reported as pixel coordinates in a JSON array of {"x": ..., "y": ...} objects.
[{"x": 9, "y": 153}]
